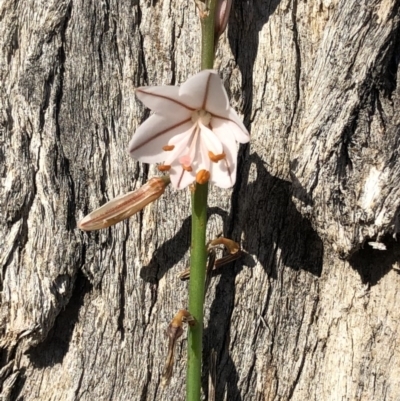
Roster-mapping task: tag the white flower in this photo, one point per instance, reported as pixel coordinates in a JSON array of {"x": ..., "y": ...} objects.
[{"x": 193, "y": 131}]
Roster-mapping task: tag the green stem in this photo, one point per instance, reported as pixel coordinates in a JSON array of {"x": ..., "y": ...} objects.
[
  {"x": 207, "y": 37},
  {"x": 198, "y": 258}
]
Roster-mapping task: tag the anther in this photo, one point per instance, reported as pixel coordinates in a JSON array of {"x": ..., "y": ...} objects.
[
  {"x": 164, "y": 167},
  {"x": 216, "y": 158},
  {"x": 168, "y": 147},
  {"x": 202, "y": 176}
]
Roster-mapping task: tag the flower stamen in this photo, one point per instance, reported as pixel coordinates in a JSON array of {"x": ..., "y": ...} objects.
[
  {"x": 164, "y": 167},
  {"x": 167, "y": 148},
  {"x": 216, "y": 158},
  {"x": 202, "y": 176}
]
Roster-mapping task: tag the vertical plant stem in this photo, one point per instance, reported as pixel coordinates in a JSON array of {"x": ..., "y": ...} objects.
[
  {"x": 198, "y": 260},
  {"x": 207, "y": 37},
  {"x": 198, "y": 257}
]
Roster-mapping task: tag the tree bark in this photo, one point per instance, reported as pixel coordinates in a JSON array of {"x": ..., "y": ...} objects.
[{"x": 310, "y": 311}]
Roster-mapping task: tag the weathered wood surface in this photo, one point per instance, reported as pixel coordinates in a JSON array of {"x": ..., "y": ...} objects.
[{"x": 311, "y": 312}]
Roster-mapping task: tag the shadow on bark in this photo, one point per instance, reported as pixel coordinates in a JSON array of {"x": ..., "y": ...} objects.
[
  {"x": 269, "y": 218},
  {"x": 246, "y": 21},
  {"x": 372, "y": 264},
  {"x": 53, "y": 349},
  {"x": 167, "y": 255},
  {"x": 276, "y": 235}
]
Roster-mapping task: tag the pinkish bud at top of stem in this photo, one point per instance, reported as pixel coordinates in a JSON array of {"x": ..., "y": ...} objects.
[
  {"x": 222, "y": 12},
  {"x": 124, "y": 206}
]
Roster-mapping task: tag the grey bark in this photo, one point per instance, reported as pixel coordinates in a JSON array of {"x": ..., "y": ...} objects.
[{"x": 311, "y": 311}]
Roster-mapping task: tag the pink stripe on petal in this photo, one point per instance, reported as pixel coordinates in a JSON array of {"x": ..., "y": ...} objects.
[
  {"x": 223, "y": 173},
  {"x": 163, "y": 100},
  {"x": 226, "y": 127},
  {"x": 181, "y": 178},
  {"x": 217, "y": 101},
  {"x": 194, "y": 91},
  {"x": 210, "y": 140},
  {"x": 149, "y": 139}
]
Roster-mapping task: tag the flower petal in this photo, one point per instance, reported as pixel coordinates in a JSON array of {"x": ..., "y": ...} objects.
[
  {"x": 181, "y": 145},
  {"x": 217, "y": 100},
  {"x": 201, "y": 160},
  {"x": 163, "y": 100},
  {"x": 223, "y": 127},
  {"x": 196, "y": 91},
  {"x": 147, "y": 142},
  {"x": 181, "y": 178},
  {"x": 223, "y": 173},
  {"x": 210, "y": 140},
  {"x": 204, "y": 159}
]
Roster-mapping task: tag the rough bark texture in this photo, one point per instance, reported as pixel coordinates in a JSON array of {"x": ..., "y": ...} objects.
[{"x": 311, "y": 312}]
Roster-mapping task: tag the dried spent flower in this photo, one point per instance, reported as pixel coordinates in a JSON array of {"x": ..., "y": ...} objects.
[
  {"x": 174, "y": 331},
  {"x": 234, "y": 253},
  {"x": 124, "y": 206}
]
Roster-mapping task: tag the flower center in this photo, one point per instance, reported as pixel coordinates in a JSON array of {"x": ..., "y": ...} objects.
[{"x": 201, "y": 116}]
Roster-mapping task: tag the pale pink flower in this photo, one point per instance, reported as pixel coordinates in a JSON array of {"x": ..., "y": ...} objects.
[{"x": 193, "y": 129}]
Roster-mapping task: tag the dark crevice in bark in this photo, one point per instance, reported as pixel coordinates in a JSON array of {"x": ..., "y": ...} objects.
[
  {"x": 344, "y": 164},
  {"x": 23, "y": 214},
  {"x": 293, "y": 385},
  {"x": 263, "y": 315},
  {"x": 7, "y": 355},
  {"x": 153, "y": 291},
  {"x": 53, "y": 349},
  {"x": 144, "y": 393},
  {"x": 78, "y": 388},
  {"x": 142, "y": 68},
  {"x": 122, "y": 280},
  {"x": 387, "y": 73},
  {"x": 18, "y": 386},
  {"x": 305, "y": 350},
  {"x": 105, "y": 165},
  {"x": 64, "y": 162},
  {"x": 174, "y": 38},
  {"x": 47, "y": 87},
  {"x": 296, "y": 40}
]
